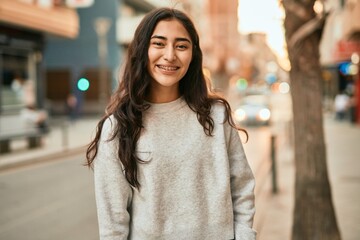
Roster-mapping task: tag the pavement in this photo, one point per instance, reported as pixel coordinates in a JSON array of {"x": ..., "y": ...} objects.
[
  {"x": 273, "y": 219},
  {"x": 64, "y": 138}
]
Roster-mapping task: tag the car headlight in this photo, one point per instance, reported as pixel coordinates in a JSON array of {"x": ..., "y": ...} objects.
[
  {"x": 264, "y": 114},
  {"x": 240, "y": 115}
]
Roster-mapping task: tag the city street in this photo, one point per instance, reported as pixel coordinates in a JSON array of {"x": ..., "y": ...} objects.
[
  {"x": 45, "y": 201},
  {"x": 61, "y": 61}
]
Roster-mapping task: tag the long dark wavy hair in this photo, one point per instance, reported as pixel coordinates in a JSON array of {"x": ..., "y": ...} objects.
[{"x": 128, "y": 104}]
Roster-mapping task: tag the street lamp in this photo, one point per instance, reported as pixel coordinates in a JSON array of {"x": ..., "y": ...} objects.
[{"x": 102, "y": 26}]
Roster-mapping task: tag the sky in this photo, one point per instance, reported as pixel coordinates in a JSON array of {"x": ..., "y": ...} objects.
[{"x": 264, "y": 16}]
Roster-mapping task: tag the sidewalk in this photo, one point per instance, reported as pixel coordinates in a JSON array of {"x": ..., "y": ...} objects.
[
  {"x": 273, "y": 219},
  {"x": 64, "y": 139}
]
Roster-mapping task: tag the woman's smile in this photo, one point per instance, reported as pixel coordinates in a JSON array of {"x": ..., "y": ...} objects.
[{"x": 168, "y": 69}]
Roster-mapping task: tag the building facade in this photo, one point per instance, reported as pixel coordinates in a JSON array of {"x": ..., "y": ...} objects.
[
  {"x": 93, "y": 57},
  {"x": 340, "y": 50},
  {"x": 25, "y": 26}
]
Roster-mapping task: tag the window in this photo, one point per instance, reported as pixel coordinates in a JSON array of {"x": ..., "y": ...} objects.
[{"x": 14, "y": 73}]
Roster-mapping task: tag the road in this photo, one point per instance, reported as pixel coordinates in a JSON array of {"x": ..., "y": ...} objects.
[
  {"x": 258, "y": 151},
  {"x": 45, "y": 201}
]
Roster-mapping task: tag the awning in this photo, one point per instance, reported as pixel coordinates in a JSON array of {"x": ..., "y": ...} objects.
[{"x": 60, "y": 21}]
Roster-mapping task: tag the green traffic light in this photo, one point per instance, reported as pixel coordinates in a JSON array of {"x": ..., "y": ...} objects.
[
  {"x": 241, "y": 84},
  {"x": 83, "y": 84}
]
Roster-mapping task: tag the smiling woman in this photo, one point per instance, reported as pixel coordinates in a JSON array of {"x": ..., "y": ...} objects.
[{"x": 167, "y": 157}]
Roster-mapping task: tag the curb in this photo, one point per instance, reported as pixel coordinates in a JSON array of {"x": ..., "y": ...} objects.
[{"x": 43, "y": 158}]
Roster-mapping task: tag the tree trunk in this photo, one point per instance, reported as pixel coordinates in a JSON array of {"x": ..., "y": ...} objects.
[{"x": 314, "y": 215}]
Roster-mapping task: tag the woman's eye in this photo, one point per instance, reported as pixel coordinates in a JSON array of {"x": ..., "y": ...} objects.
[
  {"x": 158, "y": 44},
  {"x": 182, "y": 47}
]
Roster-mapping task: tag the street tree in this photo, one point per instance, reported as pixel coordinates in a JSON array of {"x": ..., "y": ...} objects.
[{"x": 314, "y": 215}]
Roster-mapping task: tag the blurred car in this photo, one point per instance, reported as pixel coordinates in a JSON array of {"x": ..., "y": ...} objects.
[{"x": 253, "y": 110}]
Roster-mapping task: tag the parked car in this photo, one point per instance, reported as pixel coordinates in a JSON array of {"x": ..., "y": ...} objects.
[{"x": 253, "y": 110}]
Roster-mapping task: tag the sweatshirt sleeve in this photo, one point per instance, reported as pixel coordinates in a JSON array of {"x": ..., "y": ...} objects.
[
  {"x": 113, "y": 193},
  {"x": 242, "y": 188}
]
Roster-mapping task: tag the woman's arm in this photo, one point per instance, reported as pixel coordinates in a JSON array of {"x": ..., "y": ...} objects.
[
  {"x": 112, "y": 191},
  {"x": 242, "y": 188}
]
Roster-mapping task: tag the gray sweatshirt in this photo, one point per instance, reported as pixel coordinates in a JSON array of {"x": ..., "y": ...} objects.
[{"x": 193, "y": 186}]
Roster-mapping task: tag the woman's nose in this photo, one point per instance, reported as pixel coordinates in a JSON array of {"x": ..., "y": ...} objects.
[{"x": 169, "y": 54}]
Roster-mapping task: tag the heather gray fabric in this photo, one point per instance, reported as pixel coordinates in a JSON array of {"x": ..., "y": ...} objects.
[{"x": 192, "y": 186}]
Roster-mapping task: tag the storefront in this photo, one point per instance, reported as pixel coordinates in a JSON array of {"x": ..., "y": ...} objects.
[
  {"x": 24, "y": 29},
  {"x": 346, "y": 56},
  {"x": 20, "y": 59}
]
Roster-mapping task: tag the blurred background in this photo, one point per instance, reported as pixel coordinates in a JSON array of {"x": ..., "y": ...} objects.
[{"x": 60, "y": 61}]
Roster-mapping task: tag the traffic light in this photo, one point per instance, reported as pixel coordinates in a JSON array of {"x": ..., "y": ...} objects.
[
  {"x": 241, "y": 84},
  {"x": 83, "y": 84}
]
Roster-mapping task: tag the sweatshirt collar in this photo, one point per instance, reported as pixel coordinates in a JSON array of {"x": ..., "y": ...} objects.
[{"x": 167, "y": 107}]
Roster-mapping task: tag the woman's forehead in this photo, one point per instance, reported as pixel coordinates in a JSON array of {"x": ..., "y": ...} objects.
[{"x": 171, "y": 28}]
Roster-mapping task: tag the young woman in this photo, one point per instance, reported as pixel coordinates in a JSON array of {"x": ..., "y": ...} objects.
[{"x": 168, "y": 161}]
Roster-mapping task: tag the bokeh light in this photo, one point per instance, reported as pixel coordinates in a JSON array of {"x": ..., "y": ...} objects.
[{"x": 83, "y": 84}]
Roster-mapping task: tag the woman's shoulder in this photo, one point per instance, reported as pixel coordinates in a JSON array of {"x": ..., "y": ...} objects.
[
  {"x": 218, "y": 107},
  {"x": 218, "y": 111},
  {"x": 109, "y": 125},
  {"x": 110, "y": 121}
]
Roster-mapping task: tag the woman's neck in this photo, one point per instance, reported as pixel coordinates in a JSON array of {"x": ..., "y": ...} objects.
[{"x": 162, "y": 96}]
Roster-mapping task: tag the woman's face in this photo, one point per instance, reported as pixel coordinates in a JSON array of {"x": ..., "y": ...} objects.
[{"x": 170, "y": 54}]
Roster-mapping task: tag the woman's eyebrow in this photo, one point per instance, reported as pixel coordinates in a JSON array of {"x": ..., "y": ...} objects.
[{"x": 179, "y": 39}]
